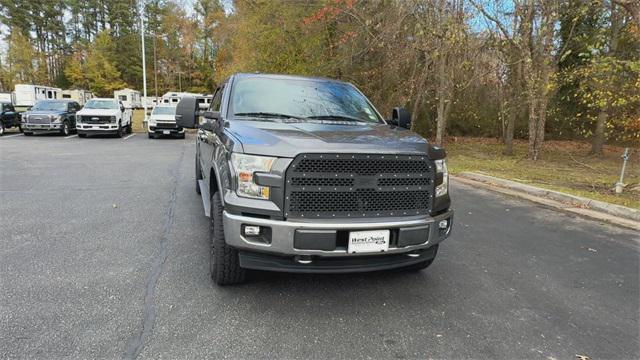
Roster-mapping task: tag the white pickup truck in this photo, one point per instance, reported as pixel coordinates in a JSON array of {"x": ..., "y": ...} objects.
[{"x": 103, "y": 116}]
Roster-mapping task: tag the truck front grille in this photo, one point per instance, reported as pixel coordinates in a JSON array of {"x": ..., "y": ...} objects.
[
  {"x": 38, "y": 119},
  {"x": 93, "y": 119},
  {"x": 358, "y": 185}
]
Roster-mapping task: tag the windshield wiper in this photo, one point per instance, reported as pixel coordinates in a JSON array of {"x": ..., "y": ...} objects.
[
  {"x": 335, "y": 117},
  {"x": 269, "y": 115}
]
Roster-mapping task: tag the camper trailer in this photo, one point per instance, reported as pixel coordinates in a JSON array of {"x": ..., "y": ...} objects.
[
  {"x": 129, "y": 97},
  {"x": 6, "y": 97},
  {"x": 79, "y": 95},
  {"x": 173, "y": 97},
  {"x": 150, "y": 101},
  {"x": 27, "y": 95}
]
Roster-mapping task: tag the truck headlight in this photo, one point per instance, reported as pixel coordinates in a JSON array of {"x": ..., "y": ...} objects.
[
  {"x": 244, "y": 166},
  {"x": 55, "y": 118},
  {"x": 113, "y": 119},
  {"x": 441, "y": 168},
  {"x": 78, "y": 118}
]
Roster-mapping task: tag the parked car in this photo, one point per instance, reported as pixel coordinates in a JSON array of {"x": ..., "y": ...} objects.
[
  {"x": 163, "y": 122},
  {"x": 50, "y": 116},
  {"x": 303, "y": 174},
  {"x": 103, "y": 116},
  {"x": 9, "y": 117}
]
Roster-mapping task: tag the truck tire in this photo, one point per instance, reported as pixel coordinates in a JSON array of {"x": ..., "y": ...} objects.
[
  {"x": 129, "y": 129},
  {"x": 424, "y": 264},
  {"x": 1, "y": 128},
  {"x": 224, "y": 260},
  {"x": 198, "y": 176},
  {"x": 181, "y": 136},
  {"x": 120, "y": 132},
  {"x": 64, "y": 130},
  {"x": 151, "y": 135}
]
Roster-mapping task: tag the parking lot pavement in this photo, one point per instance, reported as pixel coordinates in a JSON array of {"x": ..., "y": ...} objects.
[{"x": 104, "y": 254}]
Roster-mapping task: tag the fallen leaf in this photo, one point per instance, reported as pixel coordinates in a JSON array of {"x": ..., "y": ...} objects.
[{"x": 582, "y": 357}]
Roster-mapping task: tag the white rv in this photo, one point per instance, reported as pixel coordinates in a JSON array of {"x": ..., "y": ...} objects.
[
  {"x": 151, "y": 101},
  {"x": 6, "y": 97},
  {"x": 27, "y": 95},
  {"x": 129, "y": 97},
  {"x": 173, "y": 97},
  {"x": 79, "y": 95}
]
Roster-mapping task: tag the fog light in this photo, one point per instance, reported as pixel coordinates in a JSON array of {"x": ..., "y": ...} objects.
[
  {"x": 252, "y": 230},
  {"x": 443, "y": 224}
]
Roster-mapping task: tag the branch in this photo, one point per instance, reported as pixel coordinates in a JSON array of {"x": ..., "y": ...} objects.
[{"x": 500, "y": 26}]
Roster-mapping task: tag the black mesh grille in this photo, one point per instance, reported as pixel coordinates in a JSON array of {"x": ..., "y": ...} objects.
[
  {"x": 357, "y": 185},
  {"x": 408, "y": 181},
  {"x": 320, "y": 182},
  {"x": 360, "y": 167}
]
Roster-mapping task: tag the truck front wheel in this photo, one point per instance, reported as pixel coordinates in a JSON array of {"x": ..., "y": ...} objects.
[
  {"x": 120, "y": 131},
  {"x": 224, "y": 260}
]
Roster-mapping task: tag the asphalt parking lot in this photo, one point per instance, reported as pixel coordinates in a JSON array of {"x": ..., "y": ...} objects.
[{"x": 104, "y": 254}]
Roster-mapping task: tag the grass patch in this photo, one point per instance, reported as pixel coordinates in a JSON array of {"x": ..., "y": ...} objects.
[
  {"x": 565, "y": 166},
  {"x": 138, "y": 121}
]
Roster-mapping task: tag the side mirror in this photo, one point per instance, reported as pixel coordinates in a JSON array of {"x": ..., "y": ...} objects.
[
  {"x": 211, "y": 115},
  {"x": 401, "y": 117},
  {"x": 186, "y": 112},
  {"x": 121, "y": 108}
]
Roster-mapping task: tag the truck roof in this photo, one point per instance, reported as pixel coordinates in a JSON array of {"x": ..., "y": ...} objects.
[{"x": 286, "y": 77}]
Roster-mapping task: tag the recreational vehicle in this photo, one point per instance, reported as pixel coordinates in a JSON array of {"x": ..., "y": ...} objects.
[
  {"x": 27, "y": 95},
  {"x": 78, "y": 95},
  {"x": 6, "y": 97},
  {"x": 129, "y": 97},
  {"x": 173, "y": 97}
]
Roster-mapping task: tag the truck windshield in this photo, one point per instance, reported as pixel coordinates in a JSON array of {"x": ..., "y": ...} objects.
[
  {"x": 299, "y": 99},
  {"x": 164, "y": 110},
  {"x": 50, "y": 105},
  {"x": 101, "y": 104}
]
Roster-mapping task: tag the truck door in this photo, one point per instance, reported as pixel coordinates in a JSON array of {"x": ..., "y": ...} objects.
[{"x": 207, "y": 138}]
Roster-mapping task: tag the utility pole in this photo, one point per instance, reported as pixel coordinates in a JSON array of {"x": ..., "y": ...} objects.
[
  {"x": 155, "y": 65},
  {"x": 144, "y": 65}
]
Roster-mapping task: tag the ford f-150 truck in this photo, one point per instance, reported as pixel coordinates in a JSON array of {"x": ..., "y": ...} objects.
[
  {"x": 50, "y": 116},
  {"x": 303, "y": 174},
  {"x": 103, "y": 116}
]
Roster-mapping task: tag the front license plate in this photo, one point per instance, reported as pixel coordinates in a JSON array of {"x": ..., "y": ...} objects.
[
  {"x": 368, "y": 241},
  {"x": 166, "y": 132}
]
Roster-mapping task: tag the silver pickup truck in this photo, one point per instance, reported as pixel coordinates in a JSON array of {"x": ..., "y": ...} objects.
[{"x": 303, "y": 174}]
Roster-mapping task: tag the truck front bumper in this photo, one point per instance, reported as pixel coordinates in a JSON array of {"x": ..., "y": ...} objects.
[
  {"x": 97, "y": 128},
  {"x": 322, "y": 246},
  {"x": 40, "y": 127}
]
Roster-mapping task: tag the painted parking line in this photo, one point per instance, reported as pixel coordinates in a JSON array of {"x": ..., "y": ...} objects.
[
  {"x": 71, "y": 136},
  {"x": 126, "y": 137},
  {"x": 9, "y": 136}
]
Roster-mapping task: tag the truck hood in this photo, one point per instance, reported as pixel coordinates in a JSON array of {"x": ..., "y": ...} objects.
[
  {"x": 162, "y": 118},
  {"x": 290, "y": 139},
  {"x": 43, "y": 112},
  {"x": 100, "y": 112}
]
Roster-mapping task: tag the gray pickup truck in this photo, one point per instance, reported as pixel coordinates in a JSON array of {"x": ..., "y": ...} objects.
[{"x": 303, "y": 174}]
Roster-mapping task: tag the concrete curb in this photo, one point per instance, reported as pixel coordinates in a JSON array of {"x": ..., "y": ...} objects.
[{"x": 619, "y": 215}]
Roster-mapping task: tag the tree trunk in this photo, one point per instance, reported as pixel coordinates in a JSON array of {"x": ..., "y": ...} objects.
[
  {"x": 508, "y": 132},
  {"x": 598, "y": 137},
  {"x": 441, "y": 92}
]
